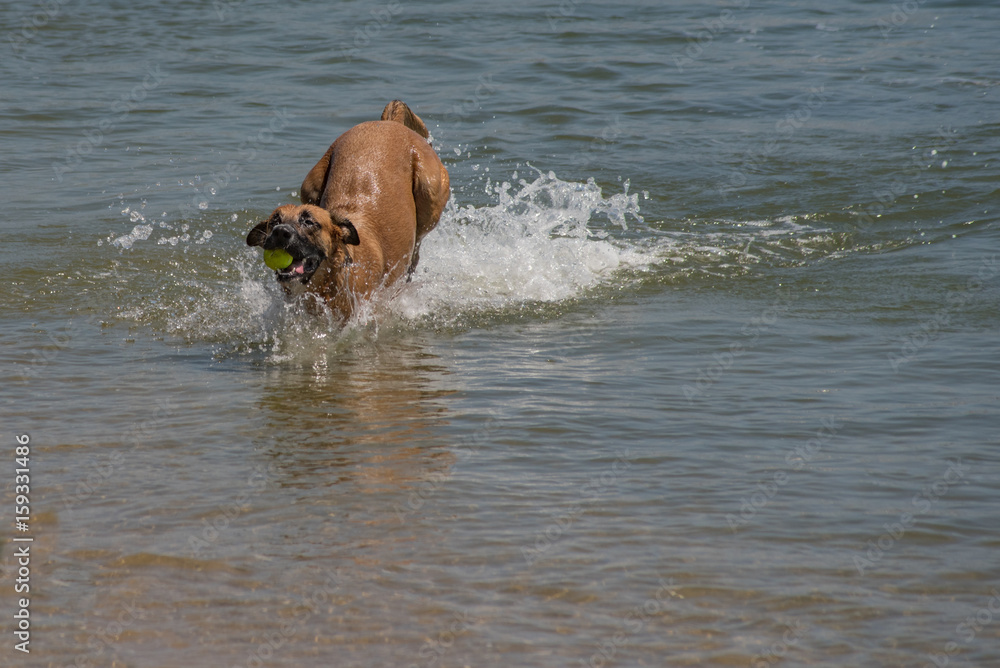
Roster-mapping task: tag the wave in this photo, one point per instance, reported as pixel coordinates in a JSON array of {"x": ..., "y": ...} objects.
[{"x": 540, "y": 241}]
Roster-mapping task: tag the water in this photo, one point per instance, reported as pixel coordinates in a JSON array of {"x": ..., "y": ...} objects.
[{"x": 699, "y": 367}]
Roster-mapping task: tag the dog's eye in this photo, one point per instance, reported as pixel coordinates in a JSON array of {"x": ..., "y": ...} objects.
[{"x": 307, "y": 221}]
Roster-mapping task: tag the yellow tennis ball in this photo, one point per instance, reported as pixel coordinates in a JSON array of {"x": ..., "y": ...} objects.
[{"x": 277, "y": 258}]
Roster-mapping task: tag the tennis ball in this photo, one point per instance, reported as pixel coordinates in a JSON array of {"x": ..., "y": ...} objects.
[{"x": 277, "y": 258}]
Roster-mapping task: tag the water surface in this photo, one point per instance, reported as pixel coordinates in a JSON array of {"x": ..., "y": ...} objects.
[{"x": 698, "y": 368}]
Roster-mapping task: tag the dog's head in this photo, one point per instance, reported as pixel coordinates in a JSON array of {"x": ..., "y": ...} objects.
[{"x": 310, "y": 235}]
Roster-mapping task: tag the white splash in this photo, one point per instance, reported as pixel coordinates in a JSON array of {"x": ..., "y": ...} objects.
[
  {"x": 138, "y": 233},
  {"x": 547, "y": 240}
]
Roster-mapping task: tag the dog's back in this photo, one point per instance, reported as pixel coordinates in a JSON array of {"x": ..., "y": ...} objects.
[{"x": 386, "y": 179}]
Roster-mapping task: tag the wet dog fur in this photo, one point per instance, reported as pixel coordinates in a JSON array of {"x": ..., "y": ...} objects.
[{"x": 366, "y": 206}]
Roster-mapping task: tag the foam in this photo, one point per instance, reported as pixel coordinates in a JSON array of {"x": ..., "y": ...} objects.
[{"x": 543, "y": 241}]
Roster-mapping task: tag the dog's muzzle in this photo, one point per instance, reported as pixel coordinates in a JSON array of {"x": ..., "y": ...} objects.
[{"x": 306, "y": 257}]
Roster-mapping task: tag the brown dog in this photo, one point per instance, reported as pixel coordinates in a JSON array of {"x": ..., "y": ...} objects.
[{"x": 366, "y": 205}]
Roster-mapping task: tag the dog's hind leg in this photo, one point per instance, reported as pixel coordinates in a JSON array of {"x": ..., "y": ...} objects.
[
  {"x": 414, "y": 258},
  {"x": 431, "y": 190}
]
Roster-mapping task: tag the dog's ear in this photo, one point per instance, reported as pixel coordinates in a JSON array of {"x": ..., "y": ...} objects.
[
  {"x": 261, "y": 230},
  {"x": 348, "y": 233}
]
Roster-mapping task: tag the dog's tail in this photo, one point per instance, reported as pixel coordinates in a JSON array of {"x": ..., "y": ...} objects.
[{"x": 399, "y": 112}]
